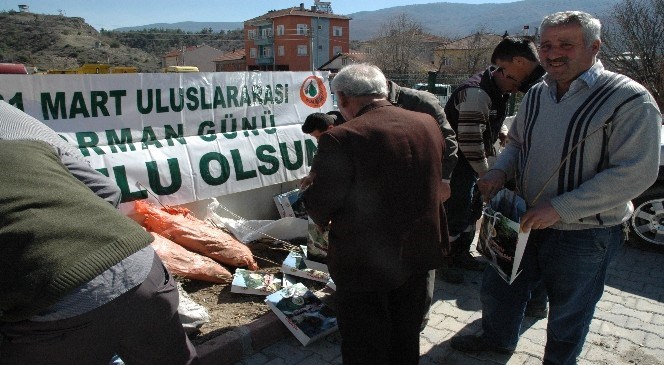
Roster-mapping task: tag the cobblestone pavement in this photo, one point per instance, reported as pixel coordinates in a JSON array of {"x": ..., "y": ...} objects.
[{"x": 628, "y": 326}]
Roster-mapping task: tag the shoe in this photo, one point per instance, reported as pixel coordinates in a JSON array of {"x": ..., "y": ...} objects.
[
  {"x": 452, "y": 275},
  {"x": 539, "y": 313},
  {"x": 468, "y": 262},
  {"x": 474, "y": 343}
]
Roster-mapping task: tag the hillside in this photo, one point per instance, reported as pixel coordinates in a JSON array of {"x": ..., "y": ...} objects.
[{"x": 59, "y": 42}]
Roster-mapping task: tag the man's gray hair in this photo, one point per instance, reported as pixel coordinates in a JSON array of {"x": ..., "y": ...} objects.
[
  {"x": 360, "y": 79},
  {"x": 590, "y": 25}
]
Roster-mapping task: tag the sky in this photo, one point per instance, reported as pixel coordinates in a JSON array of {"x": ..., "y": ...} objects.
[{"x": 111, "y": 14}]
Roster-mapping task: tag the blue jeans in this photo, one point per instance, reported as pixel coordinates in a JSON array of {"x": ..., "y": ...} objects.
[
  {"x": 572, "y": 265},
  {"x": 538, "y": 298}
]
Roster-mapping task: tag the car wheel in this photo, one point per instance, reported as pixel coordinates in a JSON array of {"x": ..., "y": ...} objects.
[{"x": 647, "y": 222}]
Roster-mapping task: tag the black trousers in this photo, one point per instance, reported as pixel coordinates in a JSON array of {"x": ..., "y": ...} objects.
[
  {"x": 382, "y": 327},
  {"x": 142, "y": 326}
]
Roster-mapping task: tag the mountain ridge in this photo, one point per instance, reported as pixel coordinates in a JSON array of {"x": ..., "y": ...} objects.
[
  {"x": 187, "y": 26},
  {"x": 456, "y": 20},
  {"x": 448, "y": 19}
]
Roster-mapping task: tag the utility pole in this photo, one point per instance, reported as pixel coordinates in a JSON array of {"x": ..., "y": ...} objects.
[{"x": 311, "y": 54}]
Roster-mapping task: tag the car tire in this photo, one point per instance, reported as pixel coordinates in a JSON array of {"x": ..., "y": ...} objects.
[{"x": 647, "y": 222}]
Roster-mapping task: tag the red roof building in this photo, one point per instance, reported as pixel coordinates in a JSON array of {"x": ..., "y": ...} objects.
[
  {"x": 201, "y": 56},
  {"x": 231, "y": 61},
  {"x": 295, "y": 39}
]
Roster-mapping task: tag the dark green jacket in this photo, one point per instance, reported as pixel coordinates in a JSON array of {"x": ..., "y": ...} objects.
[
  {"x": 425, "y": 102},
  {"x": 55, "y": 233}
]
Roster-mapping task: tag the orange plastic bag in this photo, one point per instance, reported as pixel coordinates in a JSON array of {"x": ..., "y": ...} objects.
[
  {"x": 182, "y": 262},
  {"x": 196, "y": 235}
]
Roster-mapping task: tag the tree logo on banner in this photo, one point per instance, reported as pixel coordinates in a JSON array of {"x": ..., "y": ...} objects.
[{"x": 313, "y": 92}]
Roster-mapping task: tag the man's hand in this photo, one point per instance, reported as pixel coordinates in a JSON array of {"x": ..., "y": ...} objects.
[
  {"x": 446, "y": 191},
  {"x": 502, "y": 137},
  {"x": 491, "y": 183},
  {"x": 307, "y": 180},
  {"x": 539, "y": 217}
]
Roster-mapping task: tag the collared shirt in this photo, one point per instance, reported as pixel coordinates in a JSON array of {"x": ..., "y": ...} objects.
[
  {"x": 110, "y": 284},
  {"x": 586, "y": 80}
]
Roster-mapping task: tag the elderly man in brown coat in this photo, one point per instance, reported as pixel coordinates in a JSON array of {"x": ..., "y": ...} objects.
[{"x": 378, "y": 187}]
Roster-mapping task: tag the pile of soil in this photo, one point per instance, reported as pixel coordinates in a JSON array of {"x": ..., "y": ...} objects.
[{"x": 230, "y": 310}]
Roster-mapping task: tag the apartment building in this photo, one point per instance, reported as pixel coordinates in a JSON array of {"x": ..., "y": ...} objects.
[{"x": 295, "y": 39}]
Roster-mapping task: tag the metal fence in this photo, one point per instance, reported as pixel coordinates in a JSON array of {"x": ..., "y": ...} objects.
[
  {"x": 412, "y": 79},
  {"x": 409, "y": 80}
]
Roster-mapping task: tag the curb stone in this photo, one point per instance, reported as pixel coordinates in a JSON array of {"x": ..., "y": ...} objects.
[{"x": 230, "y": 347}]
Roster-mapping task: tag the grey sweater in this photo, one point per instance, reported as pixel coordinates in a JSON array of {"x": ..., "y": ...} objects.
[{"x": 616, "y": 162}]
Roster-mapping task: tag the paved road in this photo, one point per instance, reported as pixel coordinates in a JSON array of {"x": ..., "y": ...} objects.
[{"x": 628, "y": 326}]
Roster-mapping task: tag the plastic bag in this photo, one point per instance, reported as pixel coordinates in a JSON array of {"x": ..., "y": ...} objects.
[{"x": 501, "y": 242}]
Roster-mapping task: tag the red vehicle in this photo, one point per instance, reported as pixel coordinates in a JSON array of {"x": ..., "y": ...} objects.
[{"x": 13, "y": 68}]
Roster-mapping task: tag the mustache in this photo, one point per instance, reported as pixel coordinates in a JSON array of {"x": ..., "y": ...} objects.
[{"x": 559, "y": 59}]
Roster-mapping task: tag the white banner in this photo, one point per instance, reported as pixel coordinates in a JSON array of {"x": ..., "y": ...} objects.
[{"x": 184, "y": 137}]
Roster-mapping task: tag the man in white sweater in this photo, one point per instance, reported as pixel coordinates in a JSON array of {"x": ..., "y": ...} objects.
[{"x": 584, "y": 144}]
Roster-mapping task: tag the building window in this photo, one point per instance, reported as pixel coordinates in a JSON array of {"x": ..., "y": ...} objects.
[
  {"x": 251, "y": 34},
  {"x": 302, "y": 50},
  {"x": 344, "y": 61},
  {"x": 445, "y": 61},
  {"x": 281, "y": 50},
  {"x": 267, "y": 52},
  {"x": 336, "y": 50},
  {"x": 302, "y": 29},
  {"x": 280, "y": 29},
  {"x": 320, "y": 27},
  {"x": 337, "y": 31},
  {"x": 253, "y": 53},
  {"x": 266, "y": 32}
]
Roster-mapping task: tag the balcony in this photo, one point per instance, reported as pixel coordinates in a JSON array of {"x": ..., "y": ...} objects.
[
  {"x": 265, "y": 60},
  {"x": 263, "y": 40}
]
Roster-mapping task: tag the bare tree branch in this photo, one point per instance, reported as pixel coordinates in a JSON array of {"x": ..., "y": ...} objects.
[
  {"x": 398, "y": 45},
  {"x": 633, "y": 43}
]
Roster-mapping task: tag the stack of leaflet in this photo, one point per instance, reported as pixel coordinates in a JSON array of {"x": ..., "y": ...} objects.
[
  {"x": 289, "y": 204},
  {"x": 303, "y": 313},
  {"x": 252, "y": 282}
]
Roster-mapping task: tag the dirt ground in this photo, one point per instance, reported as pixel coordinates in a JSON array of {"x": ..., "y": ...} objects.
[{"x": 230, "y": 310}]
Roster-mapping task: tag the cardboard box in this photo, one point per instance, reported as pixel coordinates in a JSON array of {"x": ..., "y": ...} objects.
[
  {"x": 312, "y": 264},
  {"x": 294, "y": 265}
]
